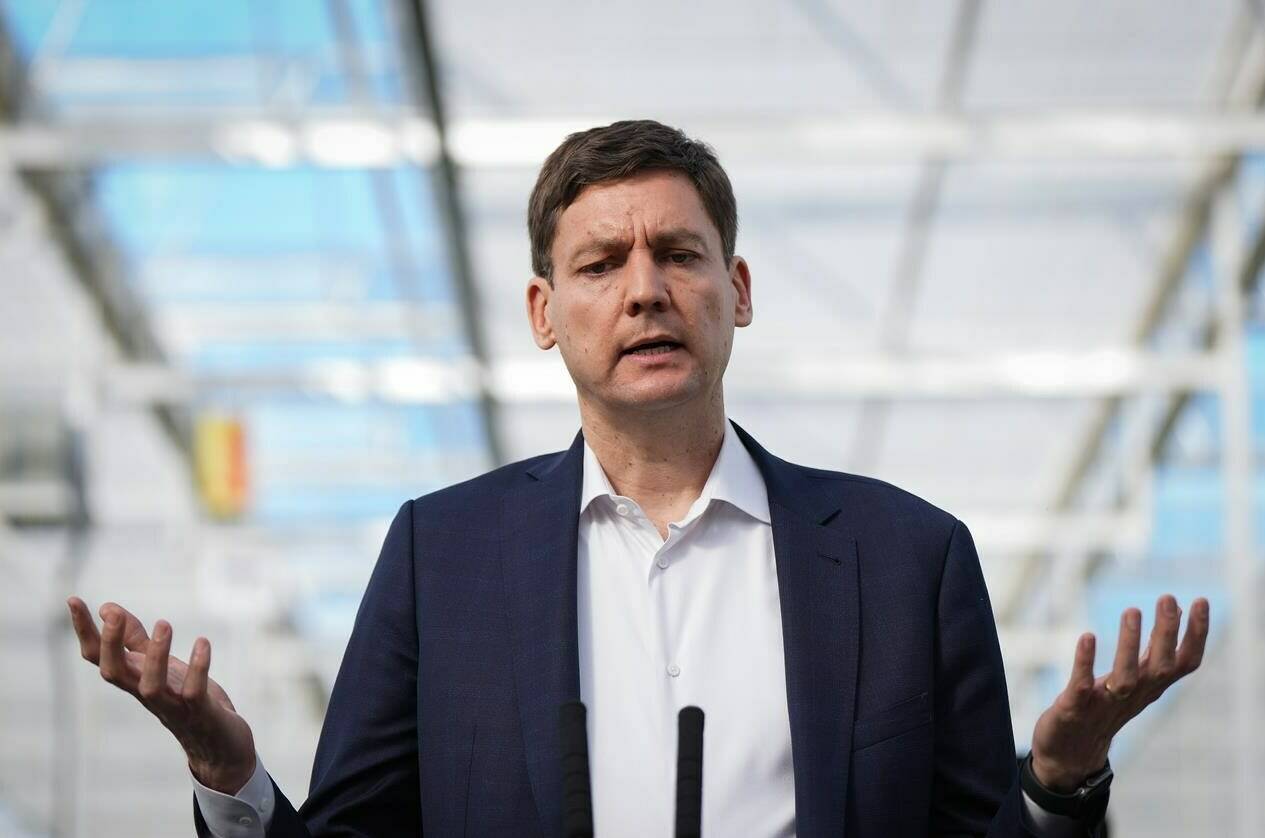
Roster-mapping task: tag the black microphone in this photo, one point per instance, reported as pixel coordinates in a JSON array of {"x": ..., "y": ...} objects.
[
  {"x": 577, "y": 800},
  {"x": 689, "y": 773}
]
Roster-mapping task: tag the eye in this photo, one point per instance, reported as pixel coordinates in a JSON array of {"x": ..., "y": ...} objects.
[
  {"x": 682, "y": 257},
  {"x": 597, "y": 268}
]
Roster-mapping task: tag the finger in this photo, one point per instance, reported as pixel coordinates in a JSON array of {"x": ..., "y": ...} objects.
[
  {"x": 1124, "y": 671},
  {"x": 1191, "y": 653},
  {"x": 134, "y": 635},
  {"x": 176, "y": 669},
  {"x": 194, "y": 688},
  {"x": 153, "y": 683},
  {"x": 113, "y": 667},
  {"x": 1081, "y": 682},
  {"x": 135, "y": 663},
  {"x": 85, "y": 629},
  {"x": 1162, "y": 662}
]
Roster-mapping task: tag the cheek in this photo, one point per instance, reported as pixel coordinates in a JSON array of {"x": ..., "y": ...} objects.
[
  {"x": 713, "y": 318},
  {"x": 715, "y": 310},
  {"x": 574, "y": 331}
]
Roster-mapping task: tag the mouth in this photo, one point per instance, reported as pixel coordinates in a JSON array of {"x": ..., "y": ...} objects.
[{"x": 651, "y": 348}]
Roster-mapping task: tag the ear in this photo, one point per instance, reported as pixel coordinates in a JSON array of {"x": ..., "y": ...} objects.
[
  {"x": 538, "y": 293},
  {"x": 740, "y": 276}
]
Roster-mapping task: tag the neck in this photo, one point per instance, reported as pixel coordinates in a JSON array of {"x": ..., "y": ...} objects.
[{"x": 660, "y": 459}]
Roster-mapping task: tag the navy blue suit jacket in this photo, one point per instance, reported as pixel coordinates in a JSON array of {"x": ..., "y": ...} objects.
[{"x": 443, "y": 719}]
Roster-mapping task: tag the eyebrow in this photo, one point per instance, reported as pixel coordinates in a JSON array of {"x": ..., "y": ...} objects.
[
  {"x": 671, "y": 237},
  {"x": 679, "y": 237}
]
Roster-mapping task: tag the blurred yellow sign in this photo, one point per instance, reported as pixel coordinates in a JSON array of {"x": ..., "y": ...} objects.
[{"x": 219, "y": 452}]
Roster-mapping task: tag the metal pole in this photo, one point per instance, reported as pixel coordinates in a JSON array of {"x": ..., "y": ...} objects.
[
  {"x": 897, "y": 315},
  {"x": 67, "y": 818},
  {"x": 1237, "y": 465},
  {"x": 428, "y": 89}
]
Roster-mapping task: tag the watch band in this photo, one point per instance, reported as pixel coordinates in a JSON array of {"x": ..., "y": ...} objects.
[{"x": 1087, "y": 804}]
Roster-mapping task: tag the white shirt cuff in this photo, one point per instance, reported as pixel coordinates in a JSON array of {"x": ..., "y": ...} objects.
[
  {"x": 243, "y": 815},
  {"x": 1047, "y": 824}
]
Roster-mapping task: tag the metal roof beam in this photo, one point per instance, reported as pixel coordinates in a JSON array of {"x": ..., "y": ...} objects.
[
  {"x": 357, "y": 138},
  {"x": 409, "y": 379}
]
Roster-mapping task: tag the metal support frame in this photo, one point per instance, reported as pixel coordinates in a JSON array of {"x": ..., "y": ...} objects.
[
  {"x": 389, "y": 205},
  {"x": 427, "y": 86},
  {"x": 1244, "y": 80},
  {"x": 830, "y": 22},
  {"x": 62, "y": 197},
  {"x": 1238, "y": 466},
  {"x": 341, "y": 137},
  {"x": 416, "y": 380},
  {"x": 898, "y": 312}
]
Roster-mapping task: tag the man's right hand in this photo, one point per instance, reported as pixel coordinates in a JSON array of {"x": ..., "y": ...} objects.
[{"x": 217, "y": 741}]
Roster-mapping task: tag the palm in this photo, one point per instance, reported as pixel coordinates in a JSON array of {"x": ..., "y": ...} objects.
[
  {"x": 189, "y": 703},
  {"x": 1071, "y": 738},
  {"x": 189, "y": 724}
]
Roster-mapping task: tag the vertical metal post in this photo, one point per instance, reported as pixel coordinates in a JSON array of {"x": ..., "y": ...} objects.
[
  {"x": 67, "y": 817},
  {"x": 428, "y": 89},
  {"x": 1237, "y": 465},
  {"x": 389, "y": 204}
]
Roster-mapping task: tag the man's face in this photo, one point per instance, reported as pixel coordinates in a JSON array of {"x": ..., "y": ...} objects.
[{"x": 638, "y": 263}]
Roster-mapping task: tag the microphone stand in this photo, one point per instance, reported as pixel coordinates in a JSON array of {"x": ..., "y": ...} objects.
[{"x": 577, "y": 797}]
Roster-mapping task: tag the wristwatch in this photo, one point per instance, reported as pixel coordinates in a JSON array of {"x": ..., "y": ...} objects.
[{"x": 1086, "y": 804}]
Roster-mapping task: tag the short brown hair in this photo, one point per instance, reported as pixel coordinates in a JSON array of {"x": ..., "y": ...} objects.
[{"x": 616, "y": 151}]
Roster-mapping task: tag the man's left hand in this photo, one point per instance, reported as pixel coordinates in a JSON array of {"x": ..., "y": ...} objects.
[{"x": 1072, "y": 736}]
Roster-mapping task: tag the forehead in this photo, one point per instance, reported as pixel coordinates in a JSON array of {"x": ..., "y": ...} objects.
[{"x": 643, "y": 202}]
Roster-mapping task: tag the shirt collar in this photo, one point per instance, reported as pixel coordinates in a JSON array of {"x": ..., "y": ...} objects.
[{"x": 735, "y": 478}]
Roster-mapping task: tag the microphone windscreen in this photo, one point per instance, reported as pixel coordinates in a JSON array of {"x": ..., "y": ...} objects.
[
  {"x": 577, "y": 801},
  {"x": 689, "y": 773}
]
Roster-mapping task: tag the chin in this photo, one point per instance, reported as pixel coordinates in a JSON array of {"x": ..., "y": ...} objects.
[{"x": 655, "y": 398}]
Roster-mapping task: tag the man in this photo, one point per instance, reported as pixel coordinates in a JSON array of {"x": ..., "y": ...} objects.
[{"x": 835, "y": 629}]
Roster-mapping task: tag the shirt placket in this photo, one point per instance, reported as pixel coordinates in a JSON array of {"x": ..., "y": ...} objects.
[{"x": 661, "y": 553}]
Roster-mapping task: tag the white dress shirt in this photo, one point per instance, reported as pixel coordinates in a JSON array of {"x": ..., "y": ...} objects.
[{"x": 691, "y": 620}]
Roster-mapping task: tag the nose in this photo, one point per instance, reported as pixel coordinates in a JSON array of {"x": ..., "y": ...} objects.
[{"x": 647, "y": 288}]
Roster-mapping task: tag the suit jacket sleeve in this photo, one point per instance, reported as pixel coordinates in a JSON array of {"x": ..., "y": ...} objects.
[
  {"x": 977, "y": 791},
  {"x": 365, "y": 775}
]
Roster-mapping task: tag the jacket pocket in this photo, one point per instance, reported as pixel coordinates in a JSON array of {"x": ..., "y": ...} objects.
[{"x": 892, "y": 721}]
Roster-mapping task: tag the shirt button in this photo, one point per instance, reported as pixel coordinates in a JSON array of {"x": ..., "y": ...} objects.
[
  {"x": 674, "y": 670},
  {"x": 244, "y": 821},
  {"x": 662, "y": 563},
  {"x": 622, "y": 509}
]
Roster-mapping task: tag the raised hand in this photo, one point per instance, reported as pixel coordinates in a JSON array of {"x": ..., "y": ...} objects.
[
  {"x": 1072, "y": 736},
  {"x": 218, "y": 742}
]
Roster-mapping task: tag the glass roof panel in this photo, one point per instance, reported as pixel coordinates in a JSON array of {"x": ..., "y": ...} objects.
[
  {"x": 206, "y": 54},
  {"x": 314, "y": 304}
]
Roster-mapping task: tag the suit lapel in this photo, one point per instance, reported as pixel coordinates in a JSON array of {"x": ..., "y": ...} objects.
[
  {"x": 818, "y": 588},
  {"x": 538, "y": 554}
]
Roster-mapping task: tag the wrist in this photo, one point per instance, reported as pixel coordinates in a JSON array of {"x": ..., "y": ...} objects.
[
  {"x": 226, "y": 779},
  {"x": 1054, "y": 777},
  {"x": 1087, "y": 802}
]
